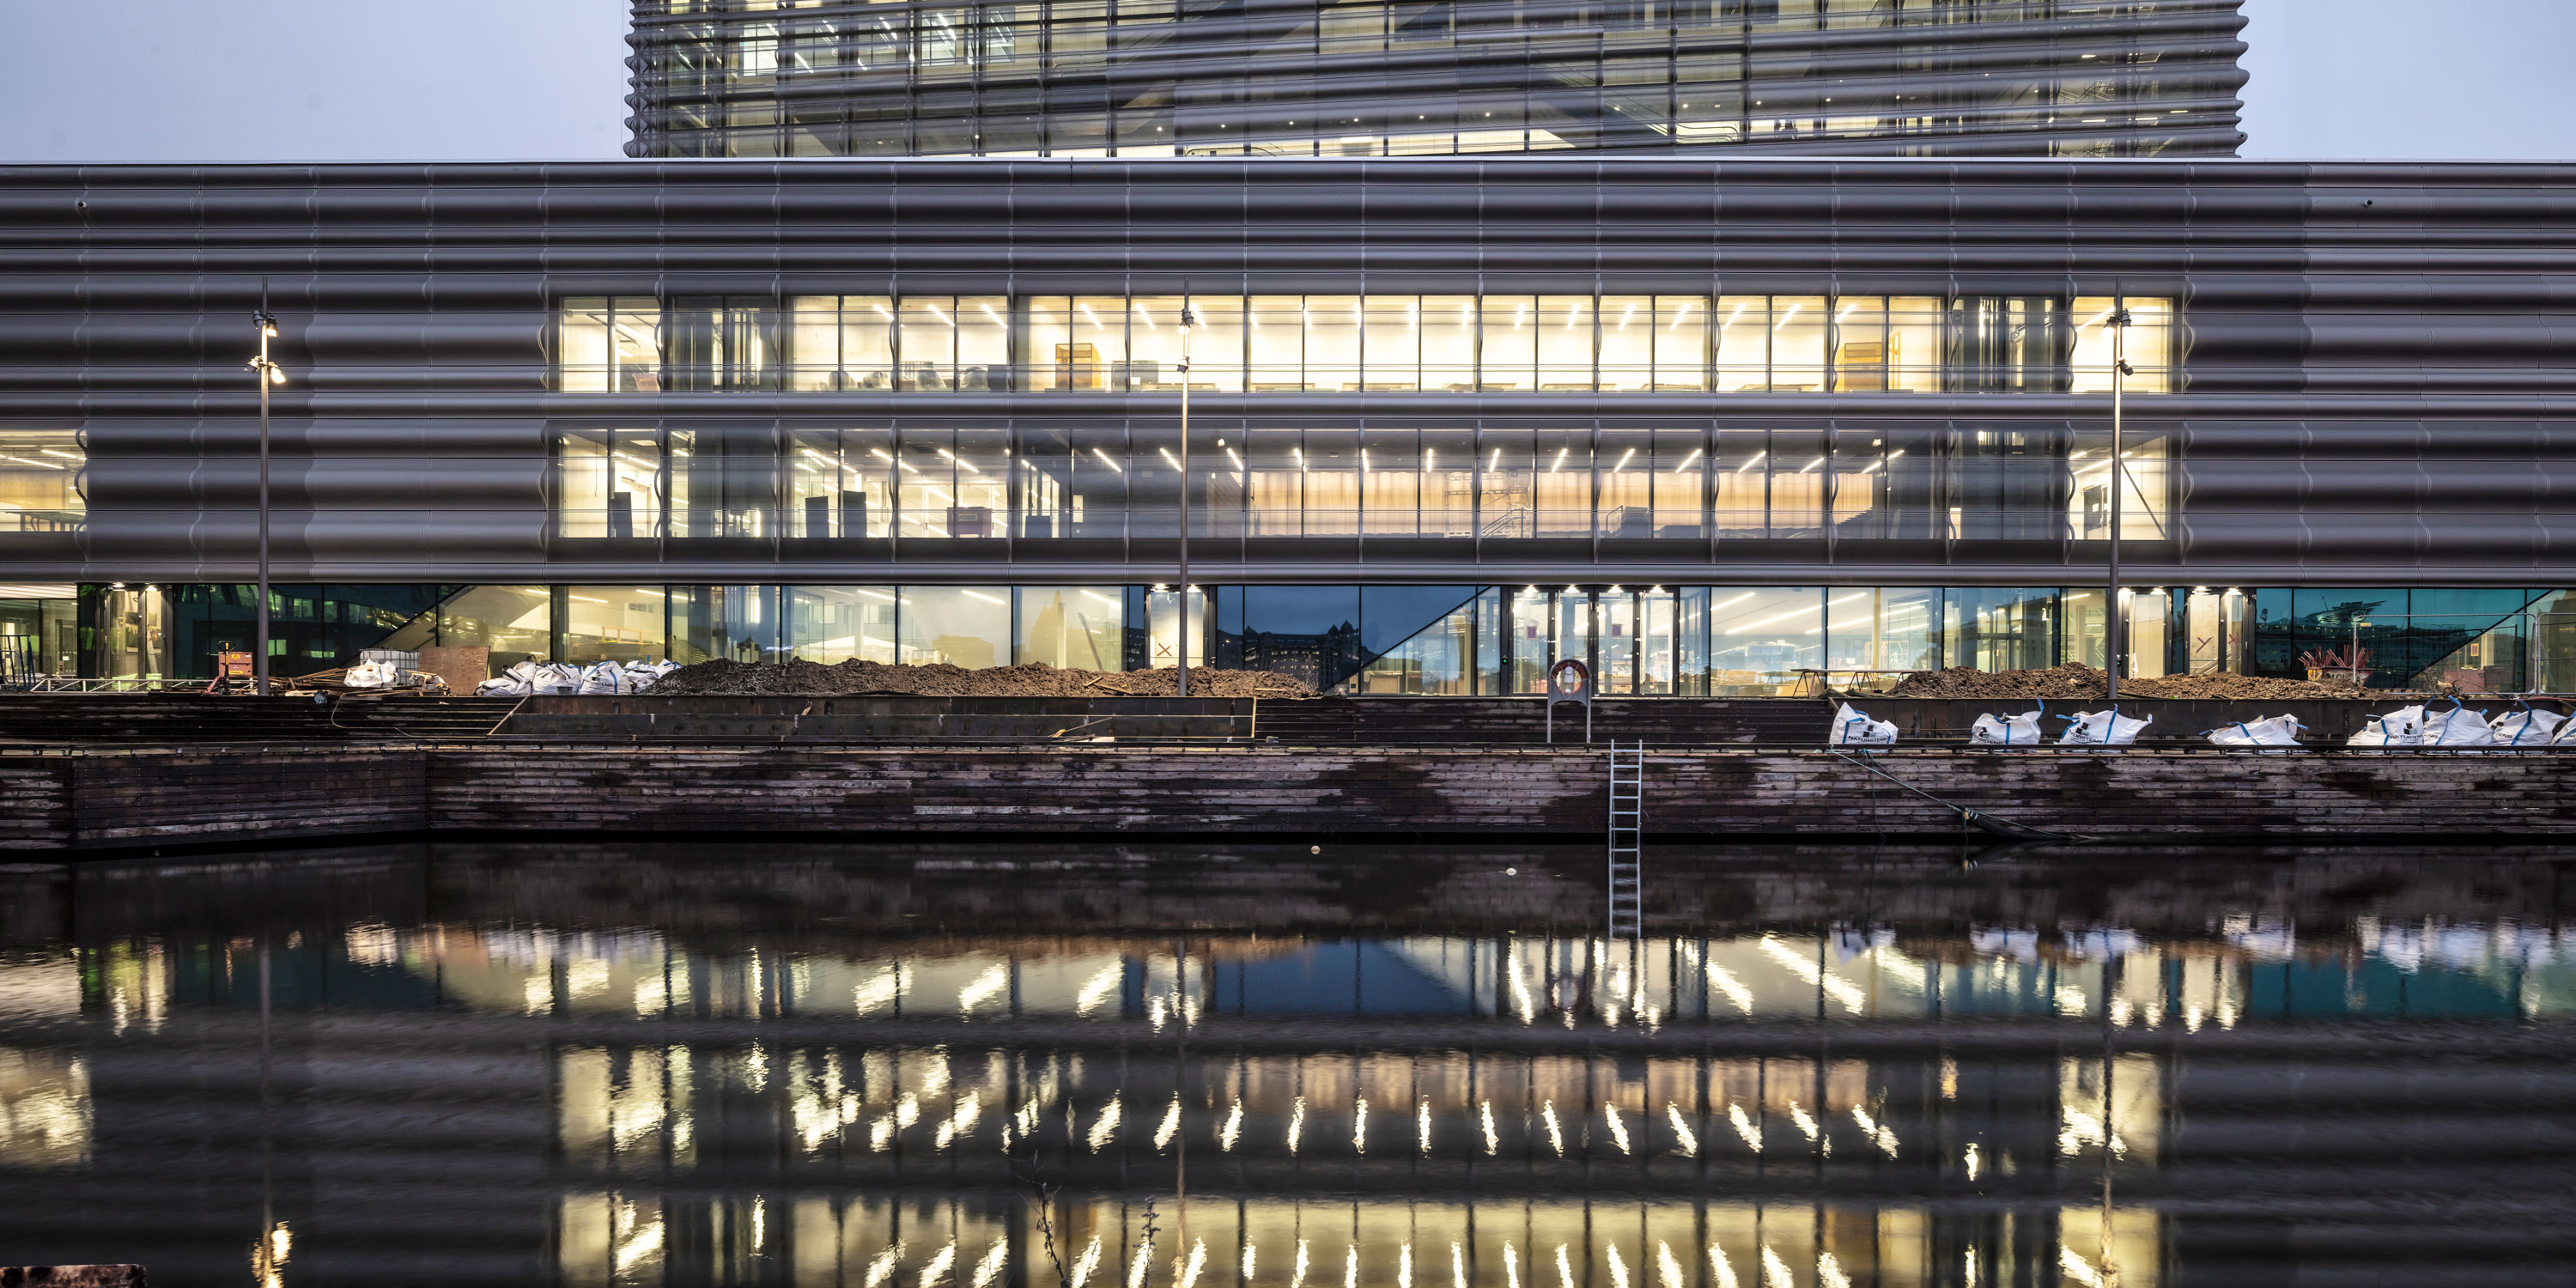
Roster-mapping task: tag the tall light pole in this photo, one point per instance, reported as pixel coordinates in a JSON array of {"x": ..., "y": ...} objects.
[
  {"x": 268, "y": 374},
  {"x": 1189, "y": 319},
  {"x": 2115, "y": 626}
]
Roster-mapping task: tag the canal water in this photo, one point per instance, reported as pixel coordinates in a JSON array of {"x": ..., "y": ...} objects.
[{"x": 1158, "y": 1066}]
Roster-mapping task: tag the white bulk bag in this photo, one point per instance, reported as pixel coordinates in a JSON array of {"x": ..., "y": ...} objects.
[
  {"x": 605, "y": 679},
  {"x": 2525, "y": 727},
  {"x": 1856, "y": 729},
  {"x": 555, "y": 679},
  {"x": 2277, "y": 731},
  {"x": 2005, "y": 731},
  {"x": 503, "y": 687},
  {"x": 2403, "y": 727},
  {"x": 369, "y": 675},
  {"x": 2103, "y": 729},
  {"x": 2457, "y": 727}
]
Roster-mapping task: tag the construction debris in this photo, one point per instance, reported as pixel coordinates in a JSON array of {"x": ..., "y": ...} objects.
[
  {"x": 800, "y": 678},
  {"x": 2075, "y": 681}
]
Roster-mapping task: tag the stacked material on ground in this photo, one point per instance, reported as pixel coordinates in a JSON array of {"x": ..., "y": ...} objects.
[
  {"x": 566, "y": 678},
  {"x": 2077, "y": 681},
  {"x": 797, "y": 677},
  {"x": 2458, "y": 726}
]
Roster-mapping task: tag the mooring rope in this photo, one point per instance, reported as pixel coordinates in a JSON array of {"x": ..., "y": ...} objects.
[{"x": 1973, "y": 817}]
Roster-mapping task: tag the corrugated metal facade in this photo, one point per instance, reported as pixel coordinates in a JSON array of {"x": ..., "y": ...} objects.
[{"x": 2373, "y": 359}]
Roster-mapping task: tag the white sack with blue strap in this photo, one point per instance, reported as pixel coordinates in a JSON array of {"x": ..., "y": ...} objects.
[
  {"x": 2006, "y": 731},
  {"x": 2102, "y": 729},
  {"x": 2403, "y": 727},
  {"x": 1856, "y": 729},
  {"x": 2457, "y": 727},
  {"x": 2275, "y": 731},
  {"x": 2526, "y": 727}
]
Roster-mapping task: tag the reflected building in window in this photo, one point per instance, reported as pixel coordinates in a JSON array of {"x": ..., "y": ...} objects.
[{"x": 1366, "y": 78}]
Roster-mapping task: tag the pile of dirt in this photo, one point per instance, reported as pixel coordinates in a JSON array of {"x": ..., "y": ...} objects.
[
  {"x": 2075, "y": 681},
  {"x": 799, "y": 678}
]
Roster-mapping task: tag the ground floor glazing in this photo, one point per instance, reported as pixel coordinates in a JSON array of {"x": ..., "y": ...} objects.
[{"x": 1440, "y": 640}]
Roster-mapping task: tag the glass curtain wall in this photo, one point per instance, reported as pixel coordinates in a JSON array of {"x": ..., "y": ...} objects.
[
  {"x": 1093, "y": 78},
  {"x": 1108, "y": 479},
  {"x": 44, "y": 480},
  {"x": 1363, "y": 344},
  {"x": 1429, "y": 640},
  {"x": 41, "y": 631}
]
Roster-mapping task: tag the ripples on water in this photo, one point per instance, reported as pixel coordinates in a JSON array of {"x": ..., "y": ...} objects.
[{"x": 1399, "y": 1068}]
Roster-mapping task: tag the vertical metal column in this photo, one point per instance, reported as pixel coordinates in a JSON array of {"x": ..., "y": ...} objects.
[{"x": 1627, "y": 827}]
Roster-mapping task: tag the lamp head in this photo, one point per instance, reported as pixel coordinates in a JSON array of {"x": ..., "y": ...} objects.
[{"x": 1189, "y": 315}]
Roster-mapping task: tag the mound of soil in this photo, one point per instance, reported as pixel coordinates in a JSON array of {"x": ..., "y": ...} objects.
[
  {"x": 2077, "y": 681},
  {"x": 799, "y": 678}
]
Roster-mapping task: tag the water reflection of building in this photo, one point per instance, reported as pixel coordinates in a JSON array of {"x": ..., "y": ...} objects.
[
  {"x": 1862, "y": 1106},
  {"x": 613, "y": 1237},
  {"x": 2250, "y": 970}
]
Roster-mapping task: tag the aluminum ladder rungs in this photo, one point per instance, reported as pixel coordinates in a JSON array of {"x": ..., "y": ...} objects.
[{"x": 1626, "y": 876}]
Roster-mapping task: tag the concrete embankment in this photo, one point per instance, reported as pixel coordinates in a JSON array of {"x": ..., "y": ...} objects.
[{"x": 95, "y": 799}]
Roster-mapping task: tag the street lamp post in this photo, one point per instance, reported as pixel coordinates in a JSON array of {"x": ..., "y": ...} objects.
[
  {"x": 1189, "y": 319},
  {"x": 2115, "y": 626},
  {"x": 268, "y": 374}
]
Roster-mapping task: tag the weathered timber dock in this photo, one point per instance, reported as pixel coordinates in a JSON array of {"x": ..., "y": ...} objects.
[{"x": 98, "y": 798}]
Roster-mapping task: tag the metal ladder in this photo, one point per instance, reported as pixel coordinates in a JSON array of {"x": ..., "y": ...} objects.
[{"x": 1627, "y": 826}]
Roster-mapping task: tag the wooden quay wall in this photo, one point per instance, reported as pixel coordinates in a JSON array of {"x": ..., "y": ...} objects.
[{"x": 94, "y": 799}]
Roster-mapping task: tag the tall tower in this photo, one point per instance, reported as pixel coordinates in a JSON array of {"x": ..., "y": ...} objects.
[{"x": 1160, "y": 78}]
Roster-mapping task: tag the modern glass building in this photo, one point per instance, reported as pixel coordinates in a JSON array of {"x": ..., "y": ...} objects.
[
  {"x": 1263, "y": 78},
  {"x": 1713, "y": 426}
]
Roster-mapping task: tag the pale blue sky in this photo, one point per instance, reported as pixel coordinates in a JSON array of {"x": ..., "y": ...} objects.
[{"x": 341, "y": 80}]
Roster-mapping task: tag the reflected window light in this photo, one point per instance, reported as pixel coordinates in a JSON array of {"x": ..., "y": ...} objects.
[
  {"x": 996, "y": 1259},
  {"x": 1744, "y": 1126},
  {"x": 1687, "y": 1141},
  {"x": 1555, "y": 1130},
  {"x": 1719, "y": 1268},
  {"x": 1829, "y": 1272},
  {"x": 1105, "y": 1128},
  {"x": 939, "y": 1265},
  {"x": 881, "y": 1268},
  {"x": 995, "y": 977}
]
